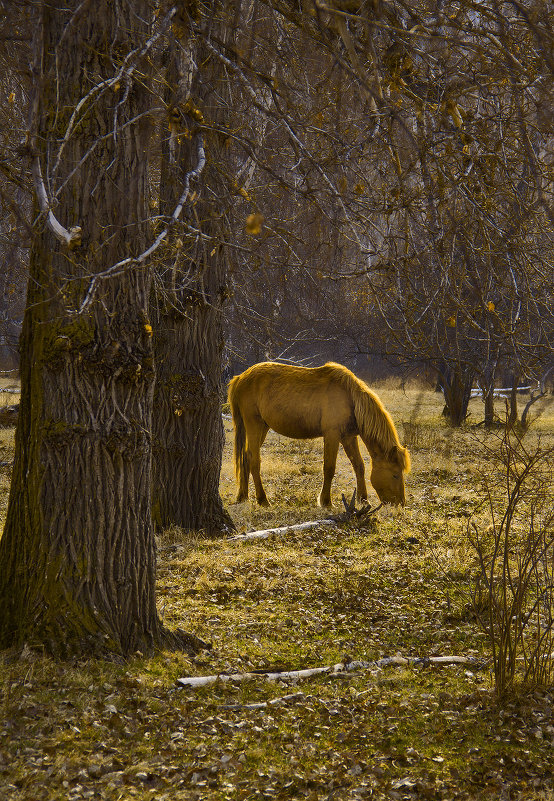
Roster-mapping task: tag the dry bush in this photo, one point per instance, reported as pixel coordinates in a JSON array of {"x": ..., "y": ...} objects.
[
  {"x": 421, "y": 437},
  {"x": 514, "y": 592}
]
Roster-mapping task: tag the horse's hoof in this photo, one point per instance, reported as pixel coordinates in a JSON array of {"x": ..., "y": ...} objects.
[{"x": 263, "y": 501}]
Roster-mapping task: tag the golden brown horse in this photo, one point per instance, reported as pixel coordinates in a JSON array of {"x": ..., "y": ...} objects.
[{"x": 309, "y": 402}]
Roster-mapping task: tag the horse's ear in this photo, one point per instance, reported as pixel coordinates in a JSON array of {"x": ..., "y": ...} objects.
[{"x": 401, "y": 456}]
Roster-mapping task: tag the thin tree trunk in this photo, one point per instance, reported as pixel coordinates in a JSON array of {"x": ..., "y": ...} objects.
[
  {"x": 489, "y": 407},
  {"x": 187, "y": 426},
  {"x": 511, "y": 406},
  {"x": 78, "y": 551},
  {"x": 457, "y": 393},
  {"x": 487, "y": 385}
]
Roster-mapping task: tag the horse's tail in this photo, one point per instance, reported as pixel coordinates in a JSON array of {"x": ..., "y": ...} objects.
[
  {"x": 376, "y": 425},
  {"x": 239, "y": 449}
]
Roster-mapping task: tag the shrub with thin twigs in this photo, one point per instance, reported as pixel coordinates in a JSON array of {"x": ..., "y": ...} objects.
[{"x": 514, "y": 592}]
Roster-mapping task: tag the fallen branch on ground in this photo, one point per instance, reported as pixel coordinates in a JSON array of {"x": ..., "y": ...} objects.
[
  {"x": 283, "y": 699},
  {"x": 350, "y": 513},
  {"x": 269, "y": 532},
  {"x": 341, "y": 668}
]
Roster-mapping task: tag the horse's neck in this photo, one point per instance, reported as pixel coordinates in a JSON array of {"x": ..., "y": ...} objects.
[
  {"x": 375, "y": 426},
  {"x": 373, "y": 448}
]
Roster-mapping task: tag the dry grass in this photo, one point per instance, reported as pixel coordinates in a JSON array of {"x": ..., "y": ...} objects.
[
  {"x": 6, "y": 440},
  {"x": 399, "y": 584}
]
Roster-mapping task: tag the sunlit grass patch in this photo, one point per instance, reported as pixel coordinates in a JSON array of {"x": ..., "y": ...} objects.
[
  {"x": 9, "y": 399},
  {"x": 401, "y": 583}
]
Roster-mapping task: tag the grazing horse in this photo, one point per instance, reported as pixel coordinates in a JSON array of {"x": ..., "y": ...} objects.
[{"x": 309, "y": 402}]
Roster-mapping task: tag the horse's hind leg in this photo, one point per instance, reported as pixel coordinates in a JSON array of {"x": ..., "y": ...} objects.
[
  {"x": 256, "y": 432},
  {"x": 352, "y": 450},
  {"x": 330, "y": 450},
  {"x": 243, "y": 476}
]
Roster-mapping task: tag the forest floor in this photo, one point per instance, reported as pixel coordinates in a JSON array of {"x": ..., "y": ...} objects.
[{"x": 402, "y": 583}]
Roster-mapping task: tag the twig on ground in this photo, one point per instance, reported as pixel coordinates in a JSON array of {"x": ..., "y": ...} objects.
[{"x": 283, "y": 699}]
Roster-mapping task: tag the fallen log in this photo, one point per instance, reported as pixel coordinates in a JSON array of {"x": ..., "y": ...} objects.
[
  {"x": 285, "y": 675},
  {"x": 350, "y": 513},
  {"x": 501, "y": 392},
  {"x": 341, "y": 668}
]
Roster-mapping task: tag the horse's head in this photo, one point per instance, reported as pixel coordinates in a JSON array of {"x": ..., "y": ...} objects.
[{"x": 387, "y": 475}]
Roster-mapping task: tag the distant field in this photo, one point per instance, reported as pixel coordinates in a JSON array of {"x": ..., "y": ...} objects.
[
  {"x": 9, "y": 389},
  {"x": 9, "y": 396},
  {"x": 292, "y": 469},
  {"x": 402, "y": 583}
]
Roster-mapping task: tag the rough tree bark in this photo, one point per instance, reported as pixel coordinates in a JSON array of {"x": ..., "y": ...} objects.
[
  {"x": 188, "y": 334},
  {"x": 78, "y": 551}
]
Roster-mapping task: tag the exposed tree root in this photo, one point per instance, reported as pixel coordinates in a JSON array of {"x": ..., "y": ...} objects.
[{"x": 179, "y": 640}]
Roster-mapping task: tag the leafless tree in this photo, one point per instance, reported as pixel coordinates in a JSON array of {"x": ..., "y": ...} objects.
[{"x": 15, "y": 196}]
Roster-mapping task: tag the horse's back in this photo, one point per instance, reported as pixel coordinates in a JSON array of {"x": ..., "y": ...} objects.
[{"x": 297, "y": 402}]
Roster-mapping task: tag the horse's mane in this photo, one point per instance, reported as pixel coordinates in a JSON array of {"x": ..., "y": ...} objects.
[{"x": 374, "y": 422}]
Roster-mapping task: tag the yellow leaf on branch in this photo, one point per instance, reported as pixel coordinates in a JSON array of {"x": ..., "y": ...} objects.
[{"x": 254, "y": 223}]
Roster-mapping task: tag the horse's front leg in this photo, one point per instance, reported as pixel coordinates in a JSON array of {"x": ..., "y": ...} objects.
[
  {"x": 352, "y": 450},
  {"x": 330, "y": 450}
]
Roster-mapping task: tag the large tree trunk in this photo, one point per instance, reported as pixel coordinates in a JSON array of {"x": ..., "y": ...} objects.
[
  {"x": 188, "y": 332},
  {"x": 78, "y": 551}
]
